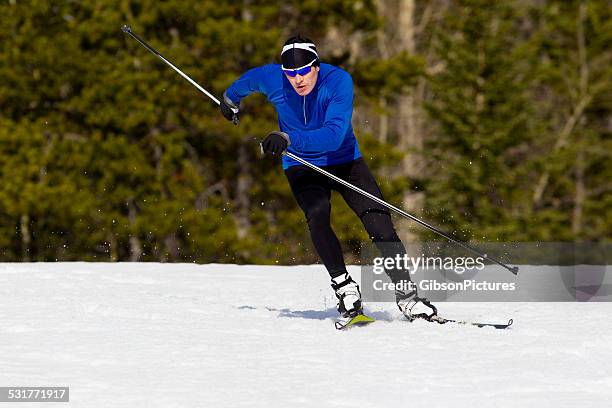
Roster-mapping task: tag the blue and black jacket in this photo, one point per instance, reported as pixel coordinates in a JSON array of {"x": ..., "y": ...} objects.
[{"x": 318, "y": 124}]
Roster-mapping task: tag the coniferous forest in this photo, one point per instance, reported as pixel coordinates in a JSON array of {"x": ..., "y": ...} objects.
[{"x": 489, "y": 119}]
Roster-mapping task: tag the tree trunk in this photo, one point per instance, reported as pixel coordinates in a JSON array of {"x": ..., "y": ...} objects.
[
  {"x": 26, "y": 237},
  {"x": 114, "y": 247},
  {"x": 580, "y": 195},
  {"x": 173, "y": 249},
  {"x": 243, "y": 189},
  {"x": 135, "y": 245},
  {"x": 409, "y": 132},
  {"x": 383, "y": 50},
  {"x": 244, "y": 182}
]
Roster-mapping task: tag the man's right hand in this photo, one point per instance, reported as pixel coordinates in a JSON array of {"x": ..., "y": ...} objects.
[{"x": 229, "y": 109}]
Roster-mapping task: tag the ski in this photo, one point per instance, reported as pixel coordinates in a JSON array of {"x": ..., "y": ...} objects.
[
  {"x": 359, "y": 320},
  {"x": 442, "y": 320}
]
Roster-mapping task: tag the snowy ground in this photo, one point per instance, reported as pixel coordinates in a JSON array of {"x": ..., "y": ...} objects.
[{"x": 162, "y": 335}]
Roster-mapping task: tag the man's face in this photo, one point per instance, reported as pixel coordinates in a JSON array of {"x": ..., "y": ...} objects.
[{"x": 304, "y": 84}]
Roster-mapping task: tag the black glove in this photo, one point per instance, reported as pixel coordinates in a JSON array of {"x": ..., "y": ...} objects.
[
  {"x": 275, "y": 143},
  {"x": 229, "y": 110}
]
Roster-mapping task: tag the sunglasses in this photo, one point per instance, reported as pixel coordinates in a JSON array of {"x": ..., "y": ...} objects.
[{"x": 299, "y": 71}]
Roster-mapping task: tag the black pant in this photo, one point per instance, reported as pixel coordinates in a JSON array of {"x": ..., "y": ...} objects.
[{"x": 312, "y": 191}]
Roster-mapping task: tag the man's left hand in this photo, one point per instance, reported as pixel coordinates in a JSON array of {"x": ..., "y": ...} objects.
[{"x": 275, "y": 143}]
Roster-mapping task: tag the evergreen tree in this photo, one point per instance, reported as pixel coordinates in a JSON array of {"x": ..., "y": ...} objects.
[
  {"x": 108, "y": 154},
  {"x": 572, "y": 194},
  {"x": 479, "y": 176}
]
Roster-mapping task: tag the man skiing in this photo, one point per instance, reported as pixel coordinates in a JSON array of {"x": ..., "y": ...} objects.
[{"x": 314, "y": 103}]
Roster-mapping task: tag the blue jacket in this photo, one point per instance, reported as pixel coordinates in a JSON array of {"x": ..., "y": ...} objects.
[{"x": 318, "y": 124}]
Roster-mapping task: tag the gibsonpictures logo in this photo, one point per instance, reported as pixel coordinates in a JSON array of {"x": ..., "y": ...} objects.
[
  {"x": 434, "y": 285},
  {"x": 411, "y": 264}
]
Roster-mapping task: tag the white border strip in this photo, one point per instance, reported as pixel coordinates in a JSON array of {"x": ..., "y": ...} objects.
[{"x": 303, "y": 46}]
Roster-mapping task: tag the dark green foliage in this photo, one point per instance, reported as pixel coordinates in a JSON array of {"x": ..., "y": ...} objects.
[
  {"x": 510, "y": 86},
  {"x": 481, "y": 103},
  {"x": 107, "y": 154}
]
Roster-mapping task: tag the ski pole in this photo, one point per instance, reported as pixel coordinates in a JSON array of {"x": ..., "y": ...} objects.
[
  {"x": 401, "y": 212},
  {"x": 126, "y": 29},
  {"x": 513, "y": 269}
]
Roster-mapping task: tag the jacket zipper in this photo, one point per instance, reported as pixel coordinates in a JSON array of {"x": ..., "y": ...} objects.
[{"x": 304, "y": 106}]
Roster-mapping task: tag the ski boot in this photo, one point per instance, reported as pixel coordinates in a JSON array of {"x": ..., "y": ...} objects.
[
  {"x": 348, "y": 294},
  {"x": 414, "y": 307}
]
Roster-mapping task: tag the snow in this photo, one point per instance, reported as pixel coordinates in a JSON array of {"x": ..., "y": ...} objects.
[{"x": 185, "y": 335}]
